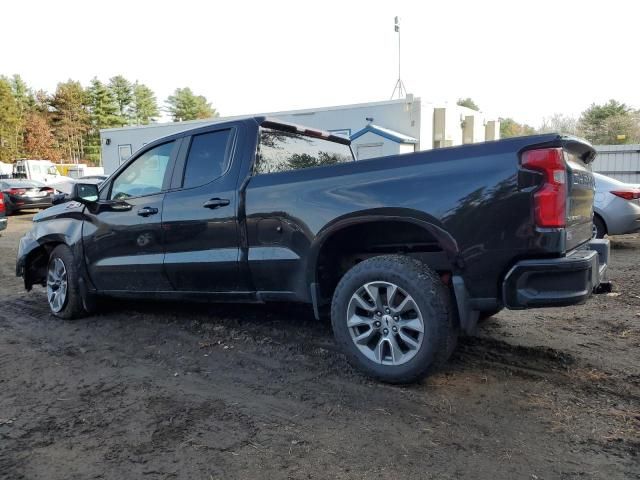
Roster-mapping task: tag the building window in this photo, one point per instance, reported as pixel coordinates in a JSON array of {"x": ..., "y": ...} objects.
[{"x": 124, "y": 153}]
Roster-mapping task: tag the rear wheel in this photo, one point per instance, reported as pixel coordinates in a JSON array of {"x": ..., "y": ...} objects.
[
  {"x": 599, "y": 228},
  {"x": 391, "y": 315},
  {"x": 63, "y": 292}
]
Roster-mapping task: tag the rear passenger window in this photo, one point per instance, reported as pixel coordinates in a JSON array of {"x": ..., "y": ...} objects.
[
  {"x": 207, "y": 159},
  {"x": 282, "y": 151}
]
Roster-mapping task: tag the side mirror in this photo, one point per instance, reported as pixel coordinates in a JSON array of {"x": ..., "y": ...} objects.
[{"x": 84, "y": 193}]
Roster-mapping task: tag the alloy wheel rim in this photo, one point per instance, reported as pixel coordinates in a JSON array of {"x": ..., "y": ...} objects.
[
  {"x": 57, "y": 285},
  {"x": 385, "y": 323}
]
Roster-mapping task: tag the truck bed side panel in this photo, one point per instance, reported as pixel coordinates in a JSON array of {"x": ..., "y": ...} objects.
[{"x": 470, "y": 192}]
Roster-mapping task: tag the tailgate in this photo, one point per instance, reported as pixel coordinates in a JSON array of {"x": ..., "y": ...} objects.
[{"x": 580, "y": 193}]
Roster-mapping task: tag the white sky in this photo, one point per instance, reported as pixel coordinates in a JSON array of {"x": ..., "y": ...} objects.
[{"x": 523, "y": 59}]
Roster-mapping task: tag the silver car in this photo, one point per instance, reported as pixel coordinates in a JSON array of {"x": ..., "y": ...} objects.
[{"x": 616, "y": 206}]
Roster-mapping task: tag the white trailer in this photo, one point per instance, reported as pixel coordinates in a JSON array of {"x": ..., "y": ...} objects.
[{"x": 376, "y": 129}]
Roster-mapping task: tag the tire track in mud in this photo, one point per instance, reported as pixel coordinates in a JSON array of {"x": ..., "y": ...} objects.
[
  {"x": 578, "y": 389},
  {"x": 545, "y": 363}
]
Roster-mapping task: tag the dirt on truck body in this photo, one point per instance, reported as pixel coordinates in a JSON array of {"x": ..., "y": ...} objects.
[{"x": 144, "y": 390}]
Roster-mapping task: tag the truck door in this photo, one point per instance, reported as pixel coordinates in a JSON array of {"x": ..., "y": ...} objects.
[
  {"x": 200, "y": 219},
  {"x": 122, "y": 236}
]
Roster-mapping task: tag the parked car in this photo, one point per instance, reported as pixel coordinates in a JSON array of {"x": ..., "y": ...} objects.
[
  {"x": 403, "y": 251},
  {"x": 25, "y": 194},
  {"x": 616, "y": 207},
  {"x": 3, "y": 215}
]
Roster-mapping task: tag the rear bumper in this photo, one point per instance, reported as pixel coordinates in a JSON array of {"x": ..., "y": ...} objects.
[
  {"x": 556, "y": 282},
  {"x": 29, "y": 203}
]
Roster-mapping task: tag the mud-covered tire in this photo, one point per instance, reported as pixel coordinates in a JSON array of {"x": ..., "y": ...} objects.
[
  {"x": 72, "y": 306},
  {"x": 430, "y": 295}
]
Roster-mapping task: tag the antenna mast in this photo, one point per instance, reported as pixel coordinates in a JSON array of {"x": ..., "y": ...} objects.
[{"x": 402, "y": 91}]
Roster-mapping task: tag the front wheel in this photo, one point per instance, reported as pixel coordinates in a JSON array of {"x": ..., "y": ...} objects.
[
  {"x": 391, "y": 314},
  {"x": 63, "y": 292}
]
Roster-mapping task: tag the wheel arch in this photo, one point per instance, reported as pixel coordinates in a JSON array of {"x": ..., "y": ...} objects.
[
  {"x": 36, "y": 260},
  {"x": 598, "y": 213},
  {"x": 438, "y": 242}
]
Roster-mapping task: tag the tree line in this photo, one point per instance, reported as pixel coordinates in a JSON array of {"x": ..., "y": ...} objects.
[
  {"x": 607, "y": 124},
  {"x": 65, "y": 125}
]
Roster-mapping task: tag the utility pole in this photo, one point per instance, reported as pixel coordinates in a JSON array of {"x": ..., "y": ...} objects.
[{"x": 402, "y": 91}]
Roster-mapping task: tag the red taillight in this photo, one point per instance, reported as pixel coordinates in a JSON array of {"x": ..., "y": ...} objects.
[
  {"x": 17, "y": 191},
  {"x": 1, "y": 202},
  {"x": 631, "y": 194},
  {"x": 550, "y": 200}
]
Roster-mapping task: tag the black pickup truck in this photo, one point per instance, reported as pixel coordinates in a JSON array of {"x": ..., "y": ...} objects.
[{"x": 403, "y": 251}]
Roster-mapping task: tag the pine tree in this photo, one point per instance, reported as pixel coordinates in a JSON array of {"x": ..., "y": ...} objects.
[
  {"x": 123, "y": 93},
  {"x": 145, "y": 105},
  {"x": 610, "y": 123},
  {"x": 25, "y": 103},
  {"x": 9, "y": 121},
  {"x": 184, "y": 105},
  {"x": 103, "y": 107},
  {"x": 70, "y": 119},
  {"x": 104, "y": 113}
]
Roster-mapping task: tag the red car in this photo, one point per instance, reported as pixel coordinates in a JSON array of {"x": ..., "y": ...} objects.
[
  {"x": 25, "y": 194},
  {"x": 3, "y": 218}
]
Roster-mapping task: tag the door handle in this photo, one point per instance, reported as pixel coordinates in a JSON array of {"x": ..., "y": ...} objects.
[
  {"x": 146, "y": 211},
  {"x": 216, "y": 203}
]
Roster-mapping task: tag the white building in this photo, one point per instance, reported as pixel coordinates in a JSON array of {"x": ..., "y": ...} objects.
[{"x": 376, "y": 129}]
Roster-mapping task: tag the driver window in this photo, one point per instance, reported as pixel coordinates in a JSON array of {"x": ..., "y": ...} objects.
[{"x": 144, "y": 176}]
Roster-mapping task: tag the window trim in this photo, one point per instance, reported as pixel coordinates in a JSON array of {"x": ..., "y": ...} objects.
[{"x": 177, "y": 142}]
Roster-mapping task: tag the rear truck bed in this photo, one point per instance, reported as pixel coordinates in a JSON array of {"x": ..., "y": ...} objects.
[
  {"x": 555, "y": 174},
  {"x": 564, "y": 200}
]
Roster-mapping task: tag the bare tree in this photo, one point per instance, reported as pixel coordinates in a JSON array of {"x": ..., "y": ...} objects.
[{"x": 559, "y": 123}]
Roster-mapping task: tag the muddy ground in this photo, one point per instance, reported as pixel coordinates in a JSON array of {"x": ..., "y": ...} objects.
[{"x": 163, "y": 391}]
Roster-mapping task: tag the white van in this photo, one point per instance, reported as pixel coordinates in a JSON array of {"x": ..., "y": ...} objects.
[{"x": 43, "y": 171}]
